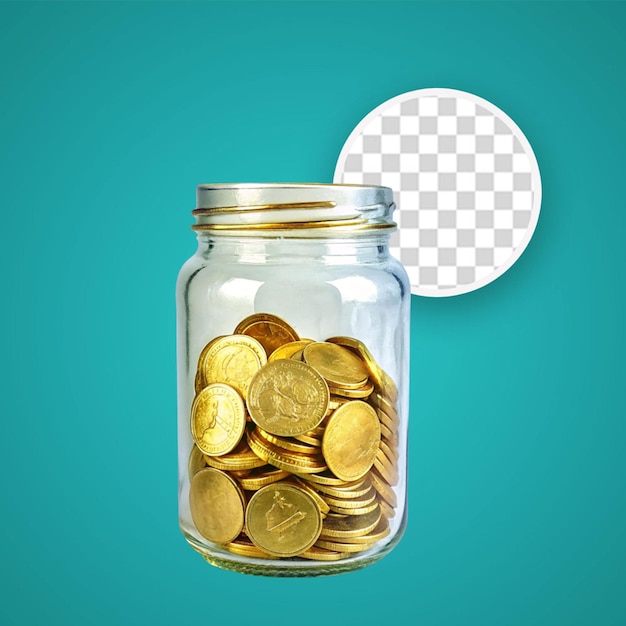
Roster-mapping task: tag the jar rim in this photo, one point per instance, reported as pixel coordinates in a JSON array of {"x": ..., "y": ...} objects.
[{"x": 292, "y": 206}]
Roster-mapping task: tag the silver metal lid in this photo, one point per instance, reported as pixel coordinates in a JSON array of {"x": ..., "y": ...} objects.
[{"x": 292, "y": 206}]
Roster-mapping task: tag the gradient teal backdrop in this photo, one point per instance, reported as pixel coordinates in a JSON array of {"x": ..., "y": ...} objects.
[{"x": 111, "y": 113}]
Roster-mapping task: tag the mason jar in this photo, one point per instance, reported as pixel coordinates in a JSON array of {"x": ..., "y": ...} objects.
[{"x": 293, "y": 373}]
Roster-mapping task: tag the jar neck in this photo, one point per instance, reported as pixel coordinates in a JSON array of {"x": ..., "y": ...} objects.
[{"x": 371, "y": 248}]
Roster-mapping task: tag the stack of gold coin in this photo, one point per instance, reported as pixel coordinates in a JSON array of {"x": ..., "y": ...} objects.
[{"x": 296, "y": 444}]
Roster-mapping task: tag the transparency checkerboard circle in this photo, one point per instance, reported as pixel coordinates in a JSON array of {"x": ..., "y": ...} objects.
[{"x": 466, "y": 185}]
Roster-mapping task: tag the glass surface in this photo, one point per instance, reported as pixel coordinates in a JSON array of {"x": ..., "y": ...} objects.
[{"x": 322, "y": 288}]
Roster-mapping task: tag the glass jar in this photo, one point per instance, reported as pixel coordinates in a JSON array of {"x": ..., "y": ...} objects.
[{"x": 293, "y": 342}]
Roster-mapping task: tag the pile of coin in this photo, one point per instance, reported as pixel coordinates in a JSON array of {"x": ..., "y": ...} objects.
[{"x": 296, "y": 444}]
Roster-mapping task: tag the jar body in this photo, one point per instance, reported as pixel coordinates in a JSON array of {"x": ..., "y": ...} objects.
[{"x": 346, "y": 289}]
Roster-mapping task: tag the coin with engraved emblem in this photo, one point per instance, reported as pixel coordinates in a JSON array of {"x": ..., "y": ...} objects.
[
  {"x": 283, "y": 520},
  {"x": 218, "y": 419},
  {"x": 351, "y": 440},
  {"x": 269, "y": 330},
  {"x": 287, "y": 398},
  {"x": 338, "y": 365},
  {"x": 217, "y": 505},
  {"x": 233, "y": 360}
]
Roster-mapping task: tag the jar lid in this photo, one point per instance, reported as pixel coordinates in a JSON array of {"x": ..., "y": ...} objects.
[{"x": 293, "y": 206}]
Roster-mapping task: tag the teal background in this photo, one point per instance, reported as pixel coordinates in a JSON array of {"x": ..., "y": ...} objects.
[{"x": 110, "y": 114}]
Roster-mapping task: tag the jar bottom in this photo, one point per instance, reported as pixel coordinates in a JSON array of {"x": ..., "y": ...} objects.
[{"x": 293, "y": 569}]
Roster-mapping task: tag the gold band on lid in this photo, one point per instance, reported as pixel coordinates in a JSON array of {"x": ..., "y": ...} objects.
[
  {"x": 264, "y": 207},
  {"x": 302, "y": 209}
]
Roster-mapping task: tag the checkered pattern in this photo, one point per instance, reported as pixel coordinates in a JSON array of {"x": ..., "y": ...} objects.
[{"x": 463, "y": 183}]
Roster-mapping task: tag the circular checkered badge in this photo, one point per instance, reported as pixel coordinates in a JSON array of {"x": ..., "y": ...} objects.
[{"x": 466, "y": 183}]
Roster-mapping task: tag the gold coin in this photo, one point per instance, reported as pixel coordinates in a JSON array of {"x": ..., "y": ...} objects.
[
  {"x": 218, "y": 419},
  {"x": 380, "y": 402},
  {"x": 386, "y": 469},
  {"x": 380, "y": 532},
  {"x": 261, "y": 477},
  {"x": 299, "y": 482},
  {"x": 240, "y": 473},
  {"x": 196, "y": 461},
  {"x": 256, "y": 440},
  {"x": 297, "y": 356},
  {"x": 388, "y": 435},
  {"x": 391, "y": 424},
  {"x": 344, "y": 547},
  {"x": 356, "y": 511},
  {"x": 391, "y": 461},
  {"x": 360, "y": 392},
  {"x": 293, "y": 466},
  {"x": 381, "y": 379},
  {"x": 283, "y": 520},
  {"x": 318, "y": 431},
  {"x": 200, "y": 382},
  {"x": 287, "y": 398},
  {"x": 290, "y": 462},
  {"x": 287, "y": 350},
  {"x": 339, "y": 366},
  {"x": 287, "y": 444},
  {"x": 387, "y": 510},
  {"x": 352, "y": 503},
  {"x": 327, "y": 478},
  {"x": 217, "y": 505},
  {"x": 233, "y": 360},
  {"x": 336, "y": 401},
  {"x": 312, "y": 441},
  {"x": 350, "y": 526},
  {"x": 391, "y": 452},
  {"x": 321, "y": 554},
  {"x": 351, "y": 440},
  {"x": 244, "y": 547},
  {"x": 241, "y": 458},
  {"x": 384, "y": 490},
  {"x": 346, "y": 493},
  {"x": 388, "y": 388},
  {"x": 269, "y": 330}
]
